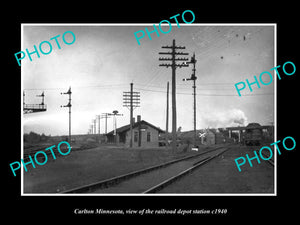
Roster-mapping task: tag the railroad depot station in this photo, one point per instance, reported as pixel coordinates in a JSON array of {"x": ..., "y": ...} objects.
[
  {"x": 151, "y": 165},
  {"x": 155, "y": 148},
  {"x": 146, "y": 134}
]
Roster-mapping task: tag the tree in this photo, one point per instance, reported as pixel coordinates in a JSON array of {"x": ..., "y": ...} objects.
[{"x": 33, "y": 137}]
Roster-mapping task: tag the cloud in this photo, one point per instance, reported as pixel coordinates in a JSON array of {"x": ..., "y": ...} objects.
[{"x": 224, "y": 118}]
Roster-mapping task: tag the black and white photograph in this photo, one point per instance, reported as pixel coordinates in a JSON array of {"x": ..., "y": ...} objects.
[
  {"x": 139, "y": 110},
  {"x": 148, "y": 109}
]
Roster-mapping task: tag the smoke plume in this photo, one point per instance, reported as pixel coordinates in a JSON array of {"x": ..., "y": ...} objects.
[{"x": 228, "y": 118}]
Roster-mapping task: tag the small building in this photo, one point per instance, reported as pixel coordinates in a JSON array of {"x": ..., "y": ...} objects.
[
  {"x": 210, "y": 137},
  {"x": 144, "y": 134}
]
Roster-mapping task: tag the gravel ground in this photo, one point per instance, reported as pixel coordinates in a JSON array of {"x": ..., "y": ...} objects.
[
  {"x": 222, "y": 176},
  {"x": 92, "y": 165},
  {"x": 143, "y": 182}
]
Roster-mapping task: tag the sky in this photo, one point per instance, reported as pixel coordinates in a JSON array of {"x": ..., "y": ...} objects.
[{"x": 104, "y": 59}]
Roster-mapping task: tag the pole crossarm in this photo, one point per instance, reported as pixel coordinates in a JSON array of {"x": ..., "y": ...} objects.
[
  {"x": 162, "y": 59},
  {"x": 166, "y": 65},
  {"x": 131, "y": 100},
  {"x": 174, "y": 65},
  {"x": 181, "y": 59},
  {"x": 181, "y": 65},
  {"x": 181, "y": 53},
  {"x": 165, "y": 53},
  {"x": 174, "y": 47}
]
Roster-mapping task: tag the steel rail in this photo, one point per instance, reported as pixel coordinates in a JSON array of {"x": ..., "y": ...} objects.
[
  {"x": 115, "y": 180},
  {"x": 269, "y": 161},
  {"x": 167, "y": 182}
]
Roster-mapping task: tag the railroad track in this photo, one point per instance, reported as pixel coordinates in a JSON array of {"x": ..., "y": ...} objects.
[
  {"x": 152, "y": 179},
  {"x": 271, "y": 161},
  {"x": 169, "y": 181}
]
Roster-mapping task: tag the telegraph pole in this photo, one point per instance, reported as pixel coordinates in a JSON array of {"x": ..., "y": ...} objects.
[
  {"x": 105, "y": 116},
  {"x": 94, "y": 123},
  {"x": 131, "y": 113},
  {"x": 167, "y": 116},
  {"x": 98, "y": 117},
  {"x": 115, "y": 113},
  {"x": 194, "y": 78},
  {"x": 69, "y": 105},
  {"x": 131, "y": 100},
  {"x": 173, "y": 65}
]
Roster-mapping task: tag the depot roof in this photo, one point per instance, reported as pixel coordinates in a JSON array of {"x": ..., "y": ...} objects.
[{"x": 137, "y": 124}]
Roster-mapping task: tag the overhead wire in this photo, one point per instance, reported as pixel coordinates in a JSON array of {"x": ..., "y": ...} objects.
[
  {"x": 182, "y": 93},
  {"x": 161, "y": 74},
  {"x": 219, "y": 42}
]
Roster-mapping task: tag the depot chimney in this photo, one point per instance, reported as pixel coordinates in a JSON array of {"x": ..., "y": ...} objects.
[{"x": 138, "y": 118}]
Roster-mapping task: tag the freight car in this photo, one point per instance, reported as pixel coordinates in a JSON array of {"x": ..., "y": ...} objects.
[{"x": 253, "y": 134}]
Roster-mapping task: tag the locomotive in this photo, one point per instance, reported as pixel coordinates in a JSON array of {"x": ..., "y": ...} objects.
[{"x": 253, "y": 134}]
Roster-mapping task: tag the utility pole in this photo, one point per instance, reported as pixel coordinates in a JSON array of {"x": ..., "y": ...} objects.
[
  {"x": 167, "y": 116},
  {"x": 194, "y": 78},
  {"x": 69, "y": 105},
  {"x": 98, "y": 117},
  {"x": 131, "y": 100},
  {"x": 115, "y": 113},
  {"x": 105, "y": 116},
  {"x": 173, "y": 65},
  {"x": 94, "y": 124}
]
